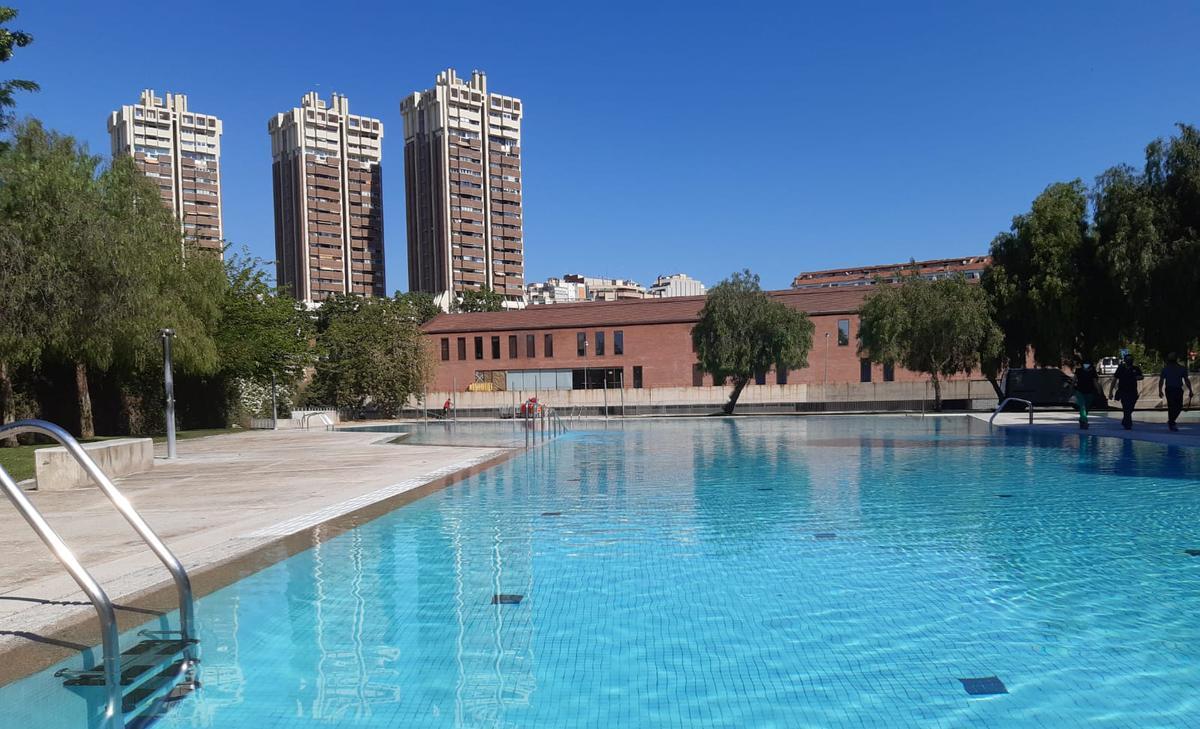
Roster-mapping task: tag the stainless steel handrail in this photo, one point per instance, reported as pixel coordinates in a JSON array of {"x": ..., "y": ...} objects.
[
  {"x": 304, "y": 420},
  {"x": 114, "y": 717},
  {"x": 183, "y": 584},
  {"x": 1006, "y": 401}
]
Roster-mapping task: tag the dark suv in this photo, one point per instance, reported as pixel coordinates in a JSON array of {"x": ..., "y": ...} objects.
[{"x": 1039, "y": 385}]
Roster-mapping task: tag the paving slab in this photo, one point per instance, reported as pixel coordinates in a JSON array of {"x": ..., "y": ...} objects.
[{"x": 227, "y": 501}]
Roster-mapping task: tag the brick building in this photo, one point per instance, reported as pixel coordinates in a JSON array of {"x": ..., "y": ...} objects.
[{"x": 632, "y": 344}]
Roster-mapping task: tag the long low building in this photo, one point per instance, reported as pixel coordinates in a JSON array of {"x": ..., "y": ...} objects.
[{"x": 632, "y": 344}]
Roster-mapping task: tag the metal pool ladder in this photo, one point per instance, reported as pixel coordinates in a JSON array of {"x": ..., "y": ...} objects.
[
  {"x": 134, "y": 681},
  {"x": 1006, "y": 401}
]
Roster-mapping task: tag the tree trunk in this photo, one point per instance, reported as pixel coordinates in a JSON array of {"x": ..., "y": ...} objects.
[
  {"x": 739, "y": 384},
  {"x": 8, "y": 405},
  {"x": 87, "y": 426},
  {"x": 996, "y": 386},
  {"x": 937, "y": 393}
]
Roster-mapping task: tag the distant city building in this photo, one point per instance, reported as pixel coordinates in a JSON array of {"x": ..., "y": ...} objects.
[
  {"x": 607, "y": 289},
  {"x": 462, "y": 176},
  {"x": 180, "y": 151},
  {"x": 554, "y": 291},
  {"x": 971, "y": 267},
  {"x": 328, "y": 185},
  {"x": 676, "y": 284}
]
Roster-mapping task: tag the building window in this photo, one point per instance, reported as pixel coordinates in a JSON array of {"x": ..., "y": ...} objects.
[
  {"x": 637, "y": 377},
  {"x": 548, "y": 346},
  {"x": 462, "y": 348},
  {"x": 512, "y": 346},
  {"x": 495, "y": 347},
  {"x": 581, "y": 344},
  {"x": 843, "y": 332},
  {"x": 478, "y": 347},
  {"x": 618, "y": 342},
  {"x": 864, "y": 370},
  {"x": 889, "y": 372},
  {"x": 697, "y": 376},
  {"x": 760, "y": 378},
  {"x": 530, "y": 346},
  {"x": 599, "y": 344},
  {"x": 445, "y": 349},
  {"x": 781, "y": 375}
]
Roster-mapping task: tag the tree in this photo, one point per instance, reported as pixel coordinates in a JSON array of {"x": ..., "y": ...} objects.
[
  {"x": 264, "y": 337},
  {"x": 484, "y": 299},
  {"x": 939, "y": 328},
  {"x": 1148, "y": 231},
  {"x": 421, "y": 305},
  {"x": 742, "y": 332},
  {"x": 372, "y": 353},
  {"x": 1047, "y": 286},
  {"x": 10, "y": 40}
]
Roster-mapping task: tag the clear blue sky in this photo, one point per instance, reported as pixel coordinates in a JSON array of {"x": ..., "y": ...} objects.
[{"x": 671, "y": 137}]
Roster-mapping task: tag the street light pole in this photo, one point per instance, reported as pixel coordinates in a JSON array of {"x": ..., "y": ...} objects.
[
  {"x": 826, "y": 363},
  {"x": 274, "y": 403},
  {"x": 169, "y": 388}
]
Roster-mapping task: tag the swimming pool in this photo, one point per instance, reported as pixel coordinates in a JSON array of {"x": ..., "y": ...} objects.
[{"x": 756, "y": 572}]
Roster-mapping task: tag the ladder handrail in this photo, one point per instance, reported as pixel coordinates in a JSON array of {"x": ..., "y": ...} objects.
[
  {"x": 1006, "y": 401},
  {"x": 183, "y": 584},
  {"x": 321, "y": 413},
  {"x": 114, "y": 717}
]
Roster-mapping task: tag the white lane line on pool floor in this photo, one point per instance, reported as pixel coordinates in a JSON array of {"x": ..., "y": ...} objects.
[{"x": 307, "y": 521}]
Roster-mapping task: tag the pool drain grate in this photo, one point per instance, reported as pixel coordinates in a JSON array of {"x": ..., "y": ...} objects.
[
  {"x": 825, "y": 536},
  {"x": 986, "y": 686},
  {"x": 505, "y": 599},
  {"x": 1004, "y": 496},
  {"x": 551, "y": 513},
  {"x": 1192, "y": 552}
]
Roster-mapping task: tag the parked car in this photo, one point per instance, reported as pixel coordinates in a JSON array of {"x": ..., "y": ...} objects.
[
  {"x": 1039, "y": 385},
  {"x": 1108, "y": 365},
  {"x": 1047, "y": 386}
]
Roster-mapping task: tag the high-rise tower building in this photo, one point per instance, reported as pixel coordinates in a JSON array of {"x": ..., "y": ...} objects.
[
  {"x": 179, "y": 150},
  {"x": 462, "y": 175},
  {"x": 328, "y": 184}
]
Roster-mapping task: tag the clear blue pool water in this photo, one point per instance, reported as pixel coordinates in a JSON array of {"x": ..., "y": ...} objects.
[{"x": 759, "y": 572}]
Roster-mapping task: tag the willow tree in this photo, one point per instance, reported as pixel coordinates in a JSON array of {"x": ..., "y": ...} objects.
[
  {"x": 742, "y": 332},
  {"x": 938, "y": 328}
]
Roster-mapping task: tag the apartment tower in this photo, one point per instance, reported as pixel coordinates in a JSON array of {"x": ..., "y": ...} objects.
[
  {"x": 462, "y": 175},
  {"x": 328, "y": 185},
  {"x": 180, "y": 151}
]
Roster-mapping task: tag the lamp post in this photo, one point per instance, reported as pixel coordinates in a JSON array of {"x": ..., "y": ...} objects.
[
  {"x": 826, "y": 362},
  {"x": 169, "y": 387}
]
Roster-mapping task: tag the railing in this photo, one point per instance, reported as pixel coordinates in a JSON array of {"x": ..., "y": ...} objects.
[
  {"x": 324, "y": 416},
  {"x": 541, "y": 419},
  {"x": 1006, "y": 401},
  {"x": 114, "y": 716}
]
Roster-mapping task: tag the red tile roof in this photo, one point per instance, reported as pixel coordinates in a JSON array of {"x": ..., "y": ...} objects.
[{"x": 680, "y": 309}]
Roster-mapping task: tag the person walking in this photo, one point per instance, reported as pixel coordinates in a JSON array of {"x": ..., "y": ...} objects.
[
  {"x": 1125, "y": 385},
  {"x": 1172, "y": 378},
  {"x": 1085, "y": 390}
]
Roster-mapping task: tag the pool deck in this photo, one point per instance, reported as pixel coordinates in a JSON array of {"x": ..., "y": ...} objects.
[
  {"x": 228, "y": 506},
  {"x": 1148, "y": 426}
]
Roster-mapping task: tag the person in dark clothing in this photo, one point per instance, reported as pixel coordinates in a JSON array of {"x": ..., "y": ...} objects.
[
  {"x": 1125, "y": 385},
  {"x": 1172, "y": 378},
  {"x": 1085, "y": 390}
]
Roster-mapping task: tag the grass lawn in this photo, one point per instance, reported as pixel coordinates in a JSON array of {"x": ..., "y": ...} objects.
[{"x": 19, "y": 461}]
